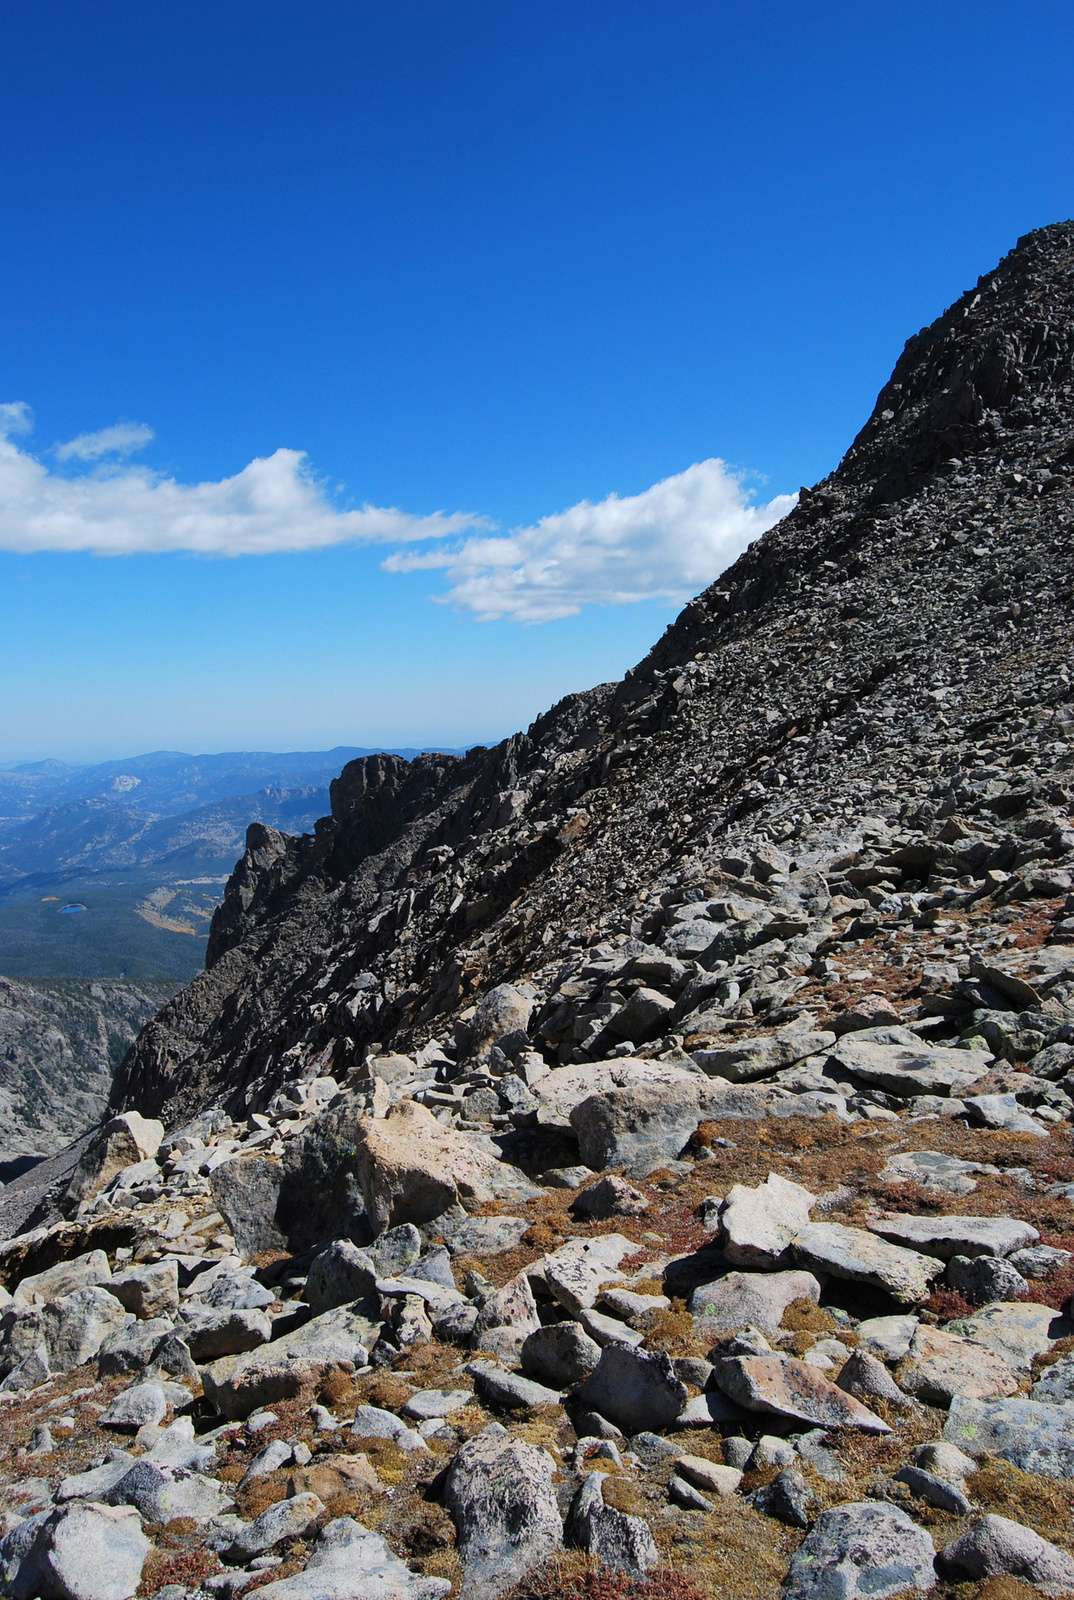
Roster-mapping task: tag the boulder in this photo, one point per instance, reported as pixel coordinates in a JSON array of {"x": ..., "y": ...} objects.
[
  {"x": 502, "y": 1388},
  {"x": 133, "y": 1408},
  {"x": 31, "y": 1370},
  {"x": 751, "y": 1299},
  {"x": 1055, "y": 1384},
  {"x": 411, "y": 1168},
  {"x": 911, "y": 1070},
  {"x": 561, "y": 1090},
  {"x": 340, "y": 1273},
  {"x": 996, "y": 1545},
  {"x": 1017, "y": 1330},
  {"x": 864, "y": 1550},
  {"x": 758, "y": 1224},
  {"x": 576, "y": 1272},
  {"x": 935, "y": 1490},
  {"x": 121, "y": 1142},
  {"x": 886, "y": 1337},
  {"x": 428, "y": 1403},
  {"x": 608, "y": 1197},
  {"x": 149, "y": 1291},
  {"x": 501, "y": 1011},
  {"x": 934, "y": 1169},
  {"x": 64, "y": 1278},
  {"x": 624, "y": 1543},
  {"x": 788, "y": 1498},
  {"x": 560, "y": 1355},
  {"x": 644, "y": 1016},
  {"x": 83, "y": 1551},
  {"x": 865, "y": 1375},
  {"x": 782, "y": 1386},
  {"x": 286, "y": 1519},
  {"x": 246, "y": 1191},
  {"x": 636, "y": 1389},
  {"x": 213, "y": 1334},
  {"x": 132, "y": 1348},
  {"x": 239, "y": 1384},
  {"x": 1035, "y": 1436},
  {"x": 500, "y": 1494},
  {"x": 984, "y": 1279},
  {"x": 748, "y": 1059},
  {"x": 957, "y": 1236},
  {"x": 941, "y": 1365},
  {"x": 854, "y": 1253},
  {"x": 350, "y": 1562},
  {"x": 76, "y": 1326},
  {"x": 640, "y": 1128},
  {"x": 160, "y": 1493},
  {"x": 511, "y": 1315},
  {"x": 709, "y": 1475}
]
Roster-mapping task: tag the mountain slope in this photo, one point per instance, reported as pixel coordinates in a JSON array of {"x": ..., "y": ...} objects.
[{"x": 894, "y": 652}]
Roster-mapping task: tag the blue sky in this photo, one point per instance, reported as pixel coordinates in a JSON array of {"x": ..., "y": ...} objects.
[{"x": 499, "y": 261}]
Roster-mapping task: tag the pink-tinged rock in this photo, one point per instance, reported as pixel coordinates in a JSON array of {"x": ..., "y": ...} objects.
[{"x": 785, "y": 1387}]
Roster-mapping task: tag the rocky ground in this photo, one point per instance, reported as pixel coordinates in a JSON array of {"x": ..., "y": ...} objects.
[{"x": 634, "y": 1163}]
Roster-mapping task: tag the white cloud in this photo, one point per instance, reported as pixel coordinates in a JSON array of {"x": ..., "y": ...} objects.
[
  {"x": 274, "y": 504},
  {"x": 663, "y": 544},
  {"x": 122, "y": 439}
]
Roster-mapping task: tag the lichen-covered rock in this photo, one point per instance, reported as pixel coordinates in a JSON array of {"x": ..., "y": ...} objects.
[
  {"x": 864, "y": 1550},
  {"x": 996, "y": 1545},
  {"x": 624, "y": 1543},
  {"x": 500, "y": 1494}
]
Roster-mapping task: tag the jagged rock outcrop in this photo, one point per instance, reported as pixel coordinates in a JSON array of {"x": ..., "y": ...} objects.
[{"x": 893, "y": 653}]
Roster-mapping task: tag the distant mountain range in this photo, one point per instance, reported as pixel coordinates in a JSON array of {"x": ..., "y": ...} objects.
[{"x": 137, "y": 852}]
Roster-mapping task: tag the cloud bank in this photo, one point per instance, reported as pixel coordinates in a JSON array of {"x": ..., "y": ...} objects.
[{"x": 663, "y": 544}]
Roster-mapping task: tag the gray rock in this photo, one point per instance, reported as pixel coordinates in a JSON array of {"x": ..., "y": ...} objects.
[
  {"x": 635, "y": 1389},
  {"x": 149, "y": 1291},
  {"x": 236, "y": 1291},
  {"x": 997, "y": 1545},
  {"x": 350, "y": 1562},
  {"x": 98, "y": 1481},
  {"x": 609, "y": 1197},
  {"x": 624, "y": 1543},
  {"x": 31, "y": 1370},
  {"x": 640, "y": 1127},
  {"x": 788, "y": 1498},
  {"x": 709, "y": 1410},
  {"x": 65, "y": 1277},
  {"x": 240, "y": 1384},
  {"x": 782, "y": 1386},
  {"x": 213, "y": 1334},
  {"x": 287, "y": 1519},
  {"x": 83, "y": 1551},
  {"x": 576, "y": 1273},
  {"x": 339, "y": 1274},
  {"x": 934, "y": 1169},
  {"x": 642, "y": 1017},
  {"x": 372, "y": 1422},
  {"x": 909, "y": 1070},
  {"x": 510, "y": 1313},
  {"x": 942, "y": 1364},
  {"x": 161, "y": 1493},
  {"x": 559, "y": 1355},
  {"x": 428, "y": 1403},
  {"x": 246, "y": 1191},
  {"x": 132, "y": 1348},
  {"x": 748, "y": 1059},
  {"x": 480, "y": 1235},
  {"x": 503, "y": 1010},
  {"x": 609, "y": 1330},
  {"x": 686, "y": 1495},
  {"x": 853, "y": 1253},
  {"x": 76, "y": 1326},
  {"x": 864, "y": 1550},
  {"x": 751, "y": 1299},
  {"x": 957, "y": 1236},
  {"x": 1016, "y": 1330},
  {"x": 1032, "y": 1435},
  {"x": 1001, "y": 1111},
  {"x": 759, "y": 1223},
  {"x": 981, "y": 1279},
  {"x": 866, "y": 1376},
  {"x": 504, "y": 1388},
  {"x": 500, "y": 1495},
  {"x": 1056, "y": 1383},
  {"x": 943, "y": 1460},
  {"x": 134, "y": 1407},
  {"x": 457, "y": 1324},
  {"x": 1039, "y": 1261},
  {"x": 886, "y": 1337},
  {"x": 651, "y": 1448},
  {"x": 936, "y": 1491},
  {"x": 277, "y": 1453},
  {"x": 397, "y": 1250}
]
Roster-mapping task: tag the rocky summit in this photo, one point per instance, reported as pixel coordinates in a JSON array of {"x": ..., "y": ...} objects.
[{"x": 637, "y": 1159}]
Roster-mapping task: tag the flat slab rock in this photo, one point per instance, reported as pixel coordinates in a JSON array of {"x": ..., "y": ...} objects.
[
  {"x": 1017, "y": 1330},
  {"x": 351, "y": 1562},
  {"x": 860, "y": 1256},
  {"x": 865, "y": 1548},
  {"x": 1029, "y": 1434},
  {"x": 785, "y": 1387},
  {"x": 941, "y": 1365},
  {"x": 910, "y": 1070},
  {"x": 934, "y": 1169},
  {"x": 957, "y": 1236}
]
